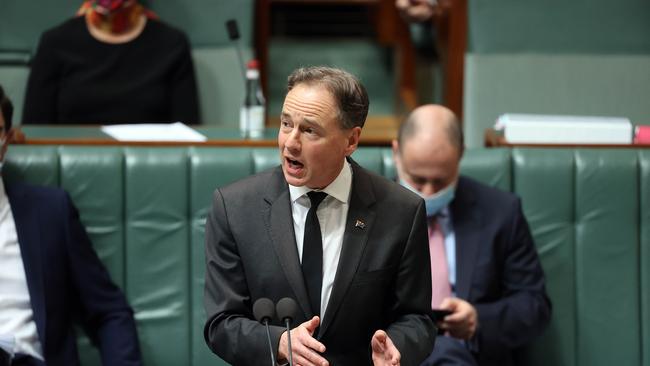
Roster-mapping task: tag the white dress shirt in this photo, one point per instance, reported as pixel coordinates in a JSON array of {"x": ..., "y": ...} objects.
[
  {"x": 332, "y": 214},
  {"x": 16, "y": 317}
]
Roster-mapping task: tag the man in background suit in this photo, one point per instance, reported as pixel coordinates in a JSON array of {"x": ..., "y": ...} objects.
[
  {"x": 491, "y": 281},
  {"x": 51, "y": 278},
  {"x": 358, "y": 281}
]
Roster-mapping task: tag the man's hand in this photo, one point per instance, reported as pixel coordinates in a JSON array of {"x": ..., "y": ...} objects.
[
  {"x": 384, "y": 351},
  {"x": 463, "y": 320},
  {"x": 305, "y": 348},
  {"x": 415, "y": 10}
]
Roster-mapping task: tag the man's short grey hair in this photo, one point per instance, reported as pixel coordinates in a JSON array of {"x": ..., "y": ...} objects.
[{"x": 347, "y": 90}]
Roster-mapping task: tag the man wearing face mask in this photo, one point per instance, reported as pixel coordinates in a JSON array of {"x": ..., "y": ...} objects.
[
  {"x": 485, "y": 268},
  {"x": 52, "y": 279}
]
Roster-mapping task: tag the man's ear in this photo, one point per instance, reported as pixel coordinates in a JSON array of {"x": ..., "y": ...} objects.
[
  {"x": 397, "y": 159},
  {"x": 395, "y": 145},
  {"x": 353, "y": 140}
]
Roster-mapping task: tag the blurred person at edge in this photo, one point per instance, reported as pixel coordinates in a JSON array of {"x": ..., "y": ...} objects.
[
  {"x": 114, "y": 62},
  {"x": 50, "y": 274}
]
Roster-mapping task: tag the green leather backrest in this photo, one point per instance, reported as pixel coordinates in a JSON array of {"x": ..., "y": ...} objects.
[
  {"x": 644, "y": 203},
  {"x": 145, "y": 209},
  {"x": 545, "y": 181},
  {"x": 157, "y": 252},
  {"x": 584, "y": 210}
]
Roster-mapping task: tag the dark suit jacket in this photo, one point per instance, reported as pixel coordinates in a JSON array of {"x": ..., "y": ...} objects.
[
  {"x": 384, "y": 267},
  {"x": 498, "y": 271},
  {"x": 67, "y": 282}
]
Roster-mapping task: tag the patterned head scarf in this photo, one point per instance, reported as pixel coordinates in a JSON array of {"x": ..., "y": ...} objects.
[{"x": 114, "y": 16}]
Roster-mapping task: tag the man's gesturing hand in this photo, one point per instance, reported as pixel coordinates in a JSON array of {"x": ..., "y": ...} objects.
[
  {"x": 305, "y": 348},
  {"x": 384, "y": 352}
]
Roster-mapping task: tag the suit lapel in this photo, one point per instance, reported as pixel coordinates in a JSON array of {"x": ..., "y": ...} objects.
[
  {"x": 278, "y": 218},
  {"x": 357, "y": 228},
  {"x": 467, "y": 223},
  {"x": 26, "y": 217}
]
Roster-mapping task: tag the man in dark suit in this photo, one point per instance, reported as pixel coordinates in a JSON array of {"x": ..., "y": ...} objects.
[
  {"x": 491, "y": 281},
  {"x": 349, "y": 246},
  {"x": 50, "y": 279}
]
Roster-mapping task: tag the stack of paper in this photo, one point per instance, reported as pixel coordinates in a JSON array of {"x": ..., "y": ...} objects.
[
  {"x": 153, "y": 132},
  {"x": 554, "y": 129}
]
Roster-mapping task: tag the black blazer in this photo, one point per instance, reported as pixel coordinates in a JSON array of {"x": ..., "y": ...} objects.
[
  {"x": 67, "y": 282},
  {"x": 498, "y": 271},
  {"x": 383, "y": 280}
]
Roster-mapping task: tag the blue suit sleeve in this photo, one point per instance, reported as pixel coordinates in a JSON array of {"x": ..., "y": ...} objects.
[
  {"x": 106, "y": 315},
  {"x": 524, "y": 310}
]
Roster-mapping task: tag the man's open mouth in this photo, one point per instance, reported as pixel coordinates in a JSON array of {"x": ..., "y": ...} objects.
[{"x": 294, "y": 164}]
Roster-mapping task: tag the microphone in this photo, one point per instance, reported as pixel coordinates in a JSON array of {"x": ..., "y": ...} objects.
[
  {"x": 286, "y": 310},
  {"x": 264, "y": 311},
  {"x": 233, "y": 35}
]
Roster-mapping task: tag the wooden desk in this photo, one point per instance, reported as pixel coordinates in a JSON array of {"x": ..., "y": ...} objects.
[
  {"x": 378, "y": 131},
  {"x": 494, "y": 138}
]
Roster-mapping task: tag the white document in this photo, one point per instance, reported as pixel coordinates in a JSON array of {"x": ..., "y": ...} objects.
[
  {"x": 153, "y": 132},
  {"x": 555, "y": 129}
]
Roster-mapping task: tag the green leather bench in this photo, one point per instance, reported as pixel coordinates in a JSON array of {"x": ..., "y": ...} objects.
[{"x": 144, "y": 209}]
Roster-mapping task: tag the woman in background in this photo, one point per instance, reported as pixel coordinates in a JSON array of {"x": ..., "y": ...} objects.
[{"x": 115, "y": 62}]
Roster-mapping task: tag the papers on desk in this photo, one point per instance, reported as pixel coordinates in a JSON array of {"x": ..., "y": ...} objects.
[
  {"x": 554, "y": 129},
  {"x": 153, "y": 132}
]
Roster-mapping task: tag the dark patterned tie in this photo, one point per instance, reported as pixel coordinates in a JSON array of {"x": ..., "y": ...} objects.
[{"x": 312, "y": 252}]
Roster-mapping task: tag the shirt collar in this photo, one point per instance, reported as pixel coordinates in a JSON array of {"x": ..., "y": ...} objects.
[{"x": 339, "y": 188}]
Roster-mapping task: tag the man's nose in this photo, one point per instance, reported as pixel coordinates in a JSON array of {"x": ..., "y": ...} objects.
[{"x": 293, "y": 140}]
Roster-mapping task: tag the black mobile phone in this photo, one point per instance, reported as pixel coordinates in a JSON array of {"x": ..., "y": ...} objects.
[{"x": 437, "y": 315}]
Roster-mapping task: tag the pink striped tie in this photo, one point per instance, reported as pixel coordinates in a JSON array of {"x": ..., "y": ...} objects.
[{"x": 440, "y": 287}]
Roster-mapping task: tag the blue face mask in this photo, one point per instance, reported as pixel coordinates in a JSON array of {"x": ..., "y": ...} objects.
[{"x": 437, "y": 201}]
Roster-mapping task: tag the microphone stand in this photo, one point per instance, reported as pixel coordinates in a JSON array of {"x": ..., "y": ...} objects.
[
  {"x": 287, "y": 322},
  {"x": 268, "y": 336}
]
